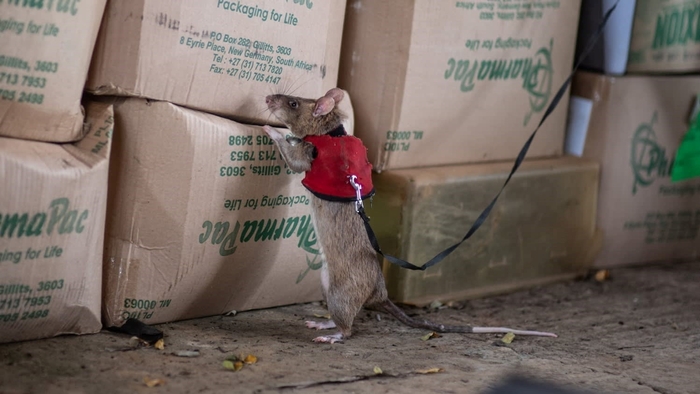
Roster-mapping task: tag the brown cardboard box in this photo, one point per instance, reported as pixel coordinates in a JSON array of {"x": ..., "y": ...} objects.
[
  {"x": 665, "y": 37},
  {"x": 633, "y": 126},
  {"x": 456, "y": 82},
  {"x": 542, "y": 229},
  {"x": 52, "y": 213},
  {"x": 218, "y": 56},
  {"x": 44, "y": 60},
  {"x": 203, "y": 218}
]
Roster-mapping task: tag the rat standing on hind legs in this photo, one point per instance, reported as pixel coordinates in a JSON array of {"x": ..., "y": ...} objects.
[{"x": 351, "y": 274}]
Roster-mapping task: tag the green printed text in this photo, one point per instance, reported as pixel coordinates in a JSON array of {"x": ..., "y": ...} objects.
[
  {"x": 60, "y": 217},
  {"x": 228, "y": 236},
  {"x": 59, "y": 6}
]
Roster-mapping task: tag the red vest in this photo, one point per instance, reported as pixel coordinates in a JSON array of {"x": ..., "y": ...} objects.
[{"x": 337, "y": 158}]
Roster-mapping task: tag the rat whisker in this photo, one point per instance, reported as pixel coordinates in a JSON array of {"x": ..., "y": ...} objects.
[
  {"x": 301, "y": 85},
  {"x": 279, "y": 89},
  {"x": 289, "y": 89},
  {"x": 287, "y": 86},
  {"x": 262, "y": 110}
]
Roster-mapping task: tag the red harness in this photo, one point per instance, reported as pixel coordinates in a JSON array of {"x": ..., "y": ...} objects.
[{"x": 338, "y": 157}]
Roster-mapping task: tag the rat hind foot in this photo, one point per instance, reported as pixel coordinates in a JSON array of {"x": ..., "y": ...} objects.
[
  {"x": 338, "y": 337},
  {"x": 320, "y": 325}
]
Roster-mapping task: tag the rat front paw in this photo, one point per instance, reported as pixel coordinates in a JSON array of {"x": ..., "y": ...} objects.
[{"x": 272, "y": 133}]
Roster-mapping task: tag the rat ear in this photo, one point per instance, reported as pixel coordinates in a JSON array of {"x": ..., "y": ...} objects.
[
  {"x": 336, "y": 94},
  {"x": 324, "y": 106}
]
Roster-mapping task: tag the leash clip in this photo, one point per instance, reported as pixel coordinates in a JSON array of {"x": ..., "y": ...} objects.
[
  {"x": 292, "y": 140},
  {"x": 358, "y": 192}
]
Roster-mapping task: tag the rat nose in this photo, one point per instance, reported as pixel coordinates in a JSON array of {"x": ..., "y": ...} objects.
[{"x": 272, "y": 101}]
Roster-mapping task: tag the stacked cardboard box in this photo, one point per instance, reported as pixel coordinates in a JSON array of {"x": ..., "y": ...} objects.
[
  {"x": 43, "y": 66},
  {"x": 220, "y": 57},
  {"x": 542, "y": 228},
  {"x": 456, "y": 82},
  {"x": 642, "y": 36},
  {"x": 633, "y": 126},
  {"x": 51, "y": 232},
  {"x": 445, "y": 96},
  {"x": 53, "y": 170},
  {"x": 204, "y": 217},
  {"x": 632, "y": 118}
]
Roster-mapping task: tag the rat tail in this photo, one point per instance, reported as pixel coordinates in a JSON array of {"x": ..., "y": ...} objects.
[{"x": 391, "y": 308}]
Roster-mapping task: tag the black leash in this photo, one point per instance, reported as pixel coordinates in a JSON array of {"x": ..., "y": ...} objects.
[{"x": 521, "y": 156}]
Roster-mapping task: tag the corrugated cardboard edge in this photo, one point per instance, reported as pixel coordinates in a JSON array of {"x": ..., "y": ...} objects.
[
  {"x": 94, "y": 150},
  {"x": 115, "y": 276},
  {"x": 34, "y": 124},
  {"x": 359, "y": 74},
  {"x": 105, "y": 49},
  {"x": 99, "y": 124}
]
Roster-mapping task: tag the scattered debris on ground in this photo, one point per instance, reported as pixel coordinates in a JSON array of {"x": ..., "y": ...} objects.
[{"x": 637, "y": 331}]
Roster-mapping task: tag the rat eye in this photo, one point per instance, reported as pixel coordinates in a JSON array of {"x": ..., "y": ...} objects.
[{"x": 293, "y": 104}]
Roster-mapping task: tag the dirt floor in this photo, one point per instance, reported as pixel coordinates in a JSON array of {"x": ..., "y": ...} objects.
[{"x": 638, "y": 332}]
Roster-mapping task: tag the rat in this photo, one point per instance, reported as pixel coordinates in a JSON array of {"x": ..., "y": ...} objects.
[{"x": 351, "y": 274}]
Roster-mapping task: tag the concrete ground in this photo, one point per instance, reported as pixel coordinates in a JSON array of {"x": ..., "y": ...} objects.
[{"x": 637, "y": 332}]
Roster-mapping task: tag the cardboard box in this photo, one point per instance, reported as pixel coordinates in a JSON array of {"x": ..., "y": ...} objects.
[
  {"x": 52, "y": 220},
  {"x": 218, "y": 56},
  {"x": 665, "y": 37},
  {"x": 44, "y": 60},
  {"x": 203, "y": 218},
  {"x": 633, "y": 125},
  {"x": 456, "y": 82},
  {"x": 542, "y": 229}
]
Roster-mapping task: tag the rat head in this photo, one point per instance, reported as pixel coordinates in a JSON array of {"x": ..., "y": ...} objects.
[{"x": 307, "y": 116}]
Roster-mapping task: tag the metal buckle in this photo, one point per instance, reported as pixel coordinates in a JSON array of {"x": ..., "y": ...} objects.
[
  {"x": 292, "y": 140},
  {"x": 358, "y": 192}
]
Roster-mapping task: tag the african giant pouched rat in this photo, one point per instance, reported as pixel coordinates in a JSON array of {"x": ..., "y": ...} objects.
[{"x": 351, "y": 274}]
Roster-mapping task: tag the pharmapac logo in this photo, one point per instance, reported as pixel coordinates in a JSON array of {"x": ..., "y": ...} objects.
[
  {"x": 60, "y": 216},
  {"x": 228, "y": 236},
  {"x": 647, "y": 158},
  {"x": 536, "y": 73}
]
